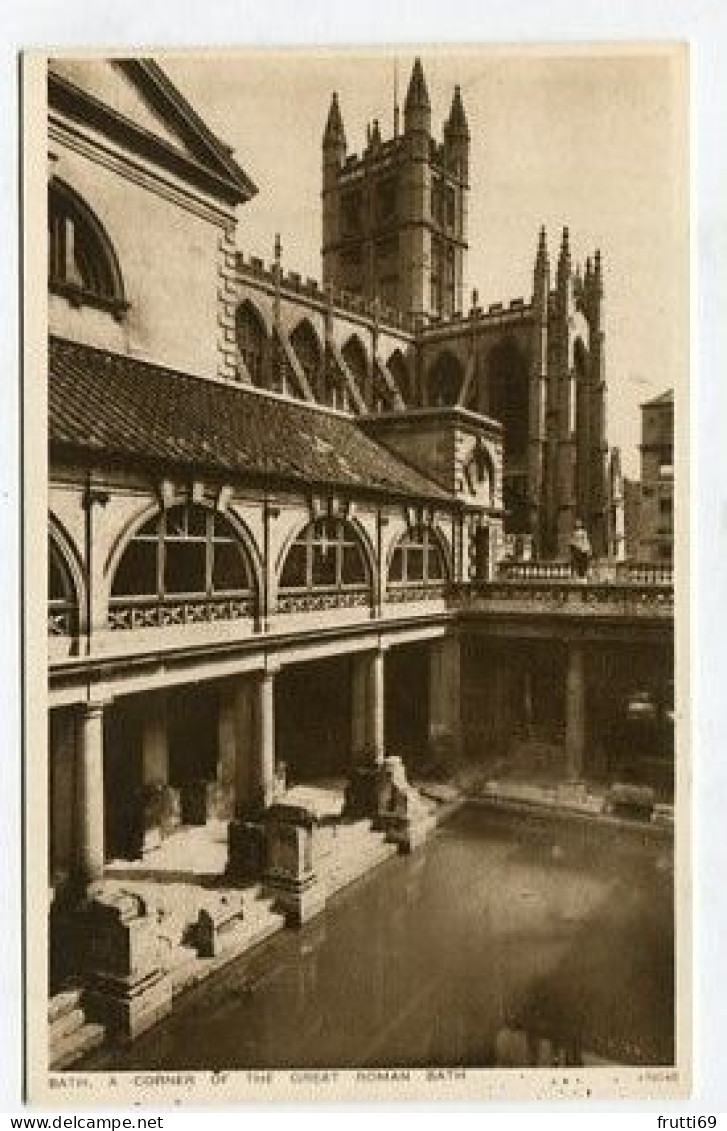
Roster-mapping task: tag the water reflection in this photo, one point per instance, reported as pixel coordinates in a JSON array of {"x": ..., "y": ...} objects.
[{"x": 492, "y": 946}]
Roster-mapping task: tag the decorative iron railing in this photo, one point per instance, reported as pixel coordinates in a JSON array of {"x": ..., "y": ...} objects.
[
  {"x": 156, "y": 613},
  {"x": 320, "y": 600}
]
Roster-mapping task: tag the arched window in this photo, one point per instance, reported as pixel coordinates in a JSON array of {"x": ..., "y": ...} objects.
[
  {"x": 354, "y": 355},
  {"x": 417, "y": 559},
  {"x": 445, "y": 381},
  {"x": 327, "y": 554},
  {"x": 188, "y": 556},
  {"x": 479, "y": 477},
  {"x": 507, "y": 372},
  {"x": 82, "y": 263},
  {"x": 399, "y": 370},
  {"x": 252, "y": 342},
  {"x": 305, "y": 343},
  {"x": 62, "y": 601}
]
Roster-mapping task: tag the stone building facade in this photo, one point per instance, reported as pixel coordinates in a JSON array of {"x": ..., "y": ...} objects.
[
  {"x": 656, "y": 495},
  {"x": 233, "y": 514},
  {"x": 391, "y": 325}
]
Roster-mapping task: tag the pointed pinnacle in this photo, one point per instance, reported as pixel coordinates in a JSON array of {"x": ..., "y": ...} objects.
[
  {"x": 417, "y": 96},
  {"x": 457, "y": 121},
  {"x": 334, "y": 132}
]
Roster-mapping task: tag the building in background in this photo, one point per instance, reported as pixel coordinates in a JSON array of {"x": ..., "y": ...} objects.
[
  {"x": 656, "y": 509},
  {"x": 395, "y": 243}
]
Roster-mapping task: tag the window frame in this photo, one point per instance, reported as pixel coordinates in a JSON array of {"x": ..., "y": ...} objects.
[
  {"x": 346, "y": 537},
  {"x": 407, "y": 545},
  {"x": 162, "y": 538},
  {"x": 72, "y": 223}
]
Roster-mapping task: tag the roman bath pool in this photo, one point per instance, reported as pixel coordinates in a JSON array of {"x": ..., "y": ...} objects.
[{"x": 506, "y": 941}]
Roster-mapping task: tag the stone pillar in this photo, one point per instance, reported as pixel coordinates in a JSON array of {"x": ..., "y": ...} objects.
[
  {"x": 161, "y": 806},
  {"x": 264, "y": 764},
  {"x": 367, "y": 707},
  {"x": 445, "y": 707},
  {"x": 90, "y": 797},
  {"x": 254, "y": 726},
  {"x": 575, "y": 710}
]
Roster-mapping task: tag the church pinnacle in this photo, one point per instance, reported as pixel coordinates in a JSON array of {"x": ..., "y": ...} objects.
[
  {"x": 334, "y": 132},
  {"x": 417, "y": 96},
  {"x": 457, "y": 121}
]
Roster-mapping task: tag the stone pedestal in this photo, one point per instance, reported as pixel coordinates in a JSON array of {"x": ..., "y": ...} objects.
[
  {"x": 365, "y": 791},
  {"x": 289, "y": 874},
  {"x": 128, "y": 991},
  {"x": 246, "y": 849},
  {"x": 402, "y": 813}
]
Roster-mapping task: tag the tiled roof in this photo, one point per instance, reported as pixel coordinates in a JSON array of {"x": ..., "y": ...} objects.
[{"x": 108, "y": 405}]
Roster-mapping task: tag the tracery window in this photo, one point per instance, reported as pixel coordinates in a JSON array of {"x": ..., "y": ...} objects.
[
  {"x": 82, "y": 263},
  {"x": 327, "y": 554},
  {"x": 252, "y": 342},
  {"x": 417, "y": 559}
]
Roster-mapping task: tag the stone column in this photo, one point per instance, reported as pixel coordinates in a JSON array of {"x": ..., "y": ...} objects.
[
  {"x": 367, "y": 706},
  {"x": 263, "y": 765},
  {"x": 90, "y": 797},
  {"x": 445, "y": 708},
  {"x": 253, "y": 709},
  {"x": 575, "y": 710}
]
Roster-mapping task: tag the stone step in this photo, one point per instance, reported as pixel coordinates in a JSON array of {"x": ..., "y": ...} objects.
[
  {"x": 66, "y": 1024},
  {"x": 73, "y": 1046},
  {"x": 64, "y": 1002}
]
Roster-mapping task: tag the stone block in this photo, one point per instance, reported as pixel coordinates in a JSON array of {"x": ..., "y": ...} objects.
[
  {"x": 127, "y": 1007},
  {"x": 246, "y": 849},
  {"x": 214, "y": 923},
  {"x": 290, "y": 878},
  {"x": 127, "y": 989}
]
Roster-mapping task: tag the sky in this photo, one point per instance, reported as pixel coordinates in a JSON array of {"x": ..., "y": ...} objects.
[{"x": 594, "y": 141}]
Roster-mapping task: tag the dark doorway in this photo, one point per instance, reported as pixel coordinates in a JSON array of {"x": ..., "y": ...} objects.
[
  {"x": 123, "y": 779},
  {"x": 193, "y": 715},
  {"x": 313, "y": 719},
  {"x": 406, "y": 699}
]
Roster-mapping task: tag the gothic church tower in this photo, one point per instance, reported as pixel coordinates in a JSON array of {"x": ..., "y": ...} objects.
[{"x": 395, "y": 217}]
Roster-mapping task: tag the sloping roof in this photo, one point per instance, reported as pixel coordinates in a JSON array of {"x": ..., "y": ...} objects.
[
  {"x": 663, "y": 398},
  {"x": 108, "y": 406},
  {"x": 197, "y": 152}
]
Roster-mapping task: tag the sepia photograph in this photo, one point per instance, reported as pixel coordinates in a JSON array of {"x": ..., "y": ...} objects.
[{"x": 356, "y": 401}]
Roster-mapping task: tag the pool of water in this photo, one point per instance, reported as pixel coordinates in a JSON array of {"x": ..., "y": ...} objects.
[{"x": 502, "y": 942}]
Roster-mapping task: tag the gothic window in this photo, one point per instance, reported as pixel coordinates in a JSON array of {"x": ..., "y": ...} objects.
[
  {"x": 305, "y": 343},
  {"x": 417, "y": 559},
  {"x": 82, "y": 263},
  {"x": 400, "y": 372},
  {"x": 479, "y": 476},
  {"x": 386, "y": 193},
  {"x": 327, "y": 554},
  {"x": 445, "y": 380},
  {"x": 508, "y": 398},
  {"x": 354, "y": 355},
  {"x": 450, "y": 207},
  {"x": 351, "y": 212},
  {"x": 252, "y": 342},
  {"x": 187, "y": 550}
]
